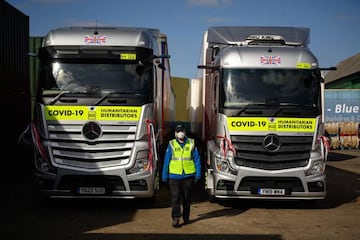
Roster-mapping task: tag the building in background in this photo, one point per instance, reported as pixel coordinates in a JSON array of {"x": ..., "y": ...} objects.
[{"x": 342, "y": 104}]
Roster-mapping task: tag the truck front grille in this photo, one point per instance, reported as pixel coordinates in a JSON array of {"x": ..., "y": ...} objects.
[
  {"x": 293, "y": 152},
  {"x": 69, "y": 146}
]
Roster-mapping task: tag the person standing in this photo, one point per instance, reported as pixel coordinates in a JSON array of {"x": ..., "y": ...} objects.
[{"x": 182, "y": 168}]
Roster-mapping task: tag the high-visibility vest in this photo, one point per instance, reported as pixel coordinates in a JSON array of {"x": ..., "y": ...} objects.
[{"x": 181, "y": 159}]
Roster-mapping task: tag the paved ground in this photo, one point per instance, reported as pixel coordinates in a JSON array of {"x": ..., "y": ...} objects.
[{"x": 348, "y": 160}]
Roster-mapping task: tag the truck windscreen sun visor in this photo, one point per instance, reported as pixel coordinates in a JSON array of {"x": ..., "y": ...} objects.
[{"x": 127, "y": 54}]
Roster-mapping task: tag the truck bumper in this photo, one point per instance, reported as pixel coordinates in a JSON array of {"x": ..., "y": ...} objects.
[
  {"x": 260, "y": 184},
  {"x": 113, "y": 183}
]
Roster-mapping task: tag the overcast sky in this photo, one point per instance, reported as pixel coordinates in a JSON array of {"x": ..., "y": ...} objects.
[{"x": 334, "y": 25}]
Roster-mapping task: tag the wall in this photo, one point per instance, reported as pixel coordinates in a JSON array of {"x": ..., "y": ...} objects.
[
  {"x": 14, "y": 72},
  {"x": 14, "y": 91}
]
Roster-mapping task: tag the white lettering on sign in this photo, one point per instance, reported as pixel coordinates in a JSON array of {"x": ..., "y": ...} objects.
[{"x": 343, "y": 108}]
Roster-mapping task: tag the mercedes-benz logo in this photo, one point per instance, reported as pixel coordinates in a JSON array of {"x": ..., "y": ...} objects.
[
  {"x": 91, "y": 130},
  {"x": 272, "y": 143}
]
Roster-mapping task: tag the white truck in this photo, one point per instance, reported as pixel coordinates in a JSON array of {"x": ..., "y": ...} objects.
[
  {"x": 103, "y": 107},
  {"x": 262, "y": 114}
]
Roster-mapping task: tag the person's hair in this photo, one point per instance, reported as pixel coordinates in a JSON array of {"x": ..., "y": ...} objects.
[{"x": 179, "y": 128}]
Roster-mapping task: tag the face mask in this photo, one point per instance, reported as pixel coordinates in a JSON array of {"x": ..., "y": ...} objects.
[{"x": 180, "y": 135}]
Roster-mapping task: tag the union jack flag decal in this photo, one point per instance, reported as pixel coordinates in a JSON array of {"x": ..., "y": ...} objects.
[
  {"x": 95, "y": 39},
  {"x": 270, "y": 60}
]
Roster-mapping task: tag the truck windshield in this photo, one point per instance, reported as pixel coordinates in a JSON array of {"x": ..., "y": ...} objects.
[
  {"x": 241, "y": 87},
  {"x": 95, "y": 77}
]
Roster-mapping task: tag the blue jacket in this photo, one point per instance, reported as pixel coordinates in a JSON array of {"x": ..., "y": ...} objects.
[{"x": 168, "y": 154}]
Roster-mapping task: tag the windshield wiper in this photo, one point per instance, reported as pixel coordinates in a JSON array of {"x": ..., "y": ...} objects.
[
  {"x": 296, "y": 105},
  {"x": 293, "y": 110},
  {"x": 62, "y": 93},
  {"x": 106, "y": 95},
  {"x": 253, "y": 107},
  {"x": 102, "y": 98},
  {"x": 57, "y": 97}
]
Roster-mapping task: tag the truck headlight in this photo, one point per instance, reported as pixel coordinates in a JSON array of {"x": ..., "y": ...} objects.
[
  {"x": 141, "y": 163},
  {"x": 43, "y": 162},
  {"x": 222, "y": 165},
  {"x": 317, "y": 167}
]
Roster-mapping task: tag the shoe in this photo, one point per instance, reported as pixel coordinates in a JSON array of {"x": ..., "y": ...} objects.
[
  {"x": 186, "y": 221},
  {"x": 175, "y": 222}
]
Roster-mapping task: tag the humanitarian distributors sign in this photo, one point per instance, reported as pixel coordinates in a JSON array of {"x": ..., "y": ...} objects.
[
  {"x": 271, "y": 124},
  {"x": 342, "y": 105},
  {"x": 100, "y": 113}
]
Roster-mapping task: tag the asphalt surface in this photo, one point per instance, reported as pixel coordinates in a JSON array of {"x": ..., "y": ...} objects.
[{"x": 348, "y": 160}]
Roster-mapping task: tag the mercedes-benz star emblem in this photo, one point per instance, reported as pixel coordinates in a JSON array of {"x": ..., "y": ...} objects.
[
  {"x": 91, "y": 130},
  {"x": 272, "y": 143}
]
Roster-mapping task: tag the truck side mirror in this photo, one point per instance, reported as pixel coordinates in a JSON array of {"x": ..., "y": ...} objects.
[
  {"x": 161, "y": 66},
  {"x": 215, "y": 51}
]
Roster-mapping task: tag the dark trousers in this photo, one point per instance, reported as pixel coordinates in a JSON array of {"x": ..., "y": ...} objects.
[{"x": 181, "y": 190}]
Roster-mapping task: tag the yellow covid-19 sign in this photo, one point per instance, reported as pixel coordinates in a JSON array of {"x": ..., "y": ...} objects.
[
  {"x": 271, "y": 124},
  {"x": 100, "y": 113}
]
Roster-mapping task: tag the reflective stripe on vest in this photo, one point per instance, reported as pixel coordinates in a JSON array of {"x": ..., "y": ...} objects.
[{"x": 181, "y": 159}]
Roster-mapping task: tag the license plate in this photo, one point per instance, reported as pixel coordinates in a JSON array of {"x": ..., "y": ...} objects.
[
  {"x": 271, "y": 191},
  {"x": 92, "y": 190}
]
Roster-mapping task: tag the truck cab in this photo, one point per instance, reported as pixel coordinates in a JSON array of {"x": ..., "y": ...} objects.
[
  {"x": 263, "y": 100},
  {"x": 102, "y": 107}
]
